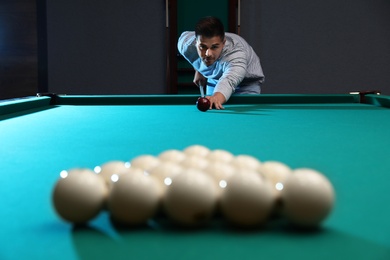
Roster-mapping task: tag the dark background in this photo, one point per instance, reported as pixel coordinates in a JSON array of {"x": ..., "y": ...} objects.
[
  {"x": 318, "y": 46},
  {"x": 18, "y": 48},
  {"x": 119, "y": 47}
]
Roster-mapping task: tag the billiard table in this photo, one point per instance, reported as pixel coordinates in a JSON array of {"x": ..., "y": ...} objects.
[{"x": 346, "y": 137}]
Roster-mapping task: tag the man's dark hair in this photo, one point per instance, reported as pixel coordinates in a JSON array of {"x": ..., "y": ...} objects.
[{"x": 210, "y": 27}]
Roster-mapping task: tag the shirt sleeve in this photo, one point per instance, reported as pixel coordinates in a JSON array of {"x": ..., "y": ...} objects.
[
  {"x": 234, "y": 71},
  {"x": 186, "y": 46}
]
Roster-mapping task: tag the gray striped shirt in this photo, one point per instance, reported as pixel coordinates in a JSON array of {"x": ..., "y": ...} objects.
[{"x": 238, "y": 69}]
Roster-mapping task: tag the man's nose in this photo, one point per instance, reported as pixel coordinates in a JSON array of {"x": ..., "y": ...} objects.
[{"x": 208, "y": 53}]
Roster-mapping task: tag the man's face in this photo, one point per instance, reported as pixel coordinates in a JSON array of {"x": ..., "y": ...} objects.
[{"x": 209, "y": 49}]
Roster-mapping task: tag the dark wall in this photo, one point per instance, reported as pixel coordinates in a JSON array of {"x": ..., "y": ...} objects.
[
  {"x": 106, "y": 47},
  {"x": 18, "y": 48},
  {"x": 317, "y": 46}
]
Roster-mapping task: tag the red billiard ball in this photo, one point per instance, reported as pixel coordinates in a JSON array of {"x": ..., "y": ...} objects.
[{"x": 203, "y": 104}]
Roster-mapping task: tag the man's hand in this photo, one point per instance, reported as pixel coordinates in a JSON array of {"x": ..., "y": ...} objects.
[
  {"x": 217, "y": 99},
  {"x": 199, "y": 79}
]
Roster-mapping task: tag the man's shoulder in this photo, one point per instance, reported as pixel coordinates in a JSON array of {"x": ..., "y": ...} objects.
[
  {"x": 235, "y": 43},
  {"x": 186, "y": 46},
  {"x": 233, "y": 35},
  {"x": 187, "y": 38}
]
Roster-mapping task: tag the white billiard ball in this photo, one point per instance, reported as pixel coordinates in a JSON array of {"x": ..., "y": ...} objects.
[
  {"x": 191, "y": 198},
  {"x": 79, "y": 195},
  {"x": 220, "y": 155},
  {"x": 308, "y": 197},
  {"x": 165, "y": 172},
  {"x": 134, "y": 198},
  {"x": 145, "y": 162},
  {"x": 194, "y": 162},
  {"x": 221, "y": 173},
  {"x": 110, "y": 168},
  {"x": 276, "y": 172},
  {"x": 197, "y": 150},
  {"x": 247, "y": 200},
  {"x": 246, "y": 161},
  {"x": 172, "y": 155}
]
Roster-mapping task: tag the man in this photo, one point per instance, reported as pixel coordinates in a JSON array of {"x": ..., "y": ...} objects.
[{"x": 223, "y": 61}]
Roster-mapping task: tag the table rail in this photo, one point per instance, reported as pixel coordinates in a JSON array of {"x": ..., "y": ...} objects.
[
  {"x": 42, "y": 101},
  {"x": 191, "y": 99}
]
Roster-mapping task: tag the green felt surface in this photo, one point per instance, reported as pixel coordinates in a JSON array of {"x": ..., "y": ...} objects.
[{"x": 349, "y": 142}]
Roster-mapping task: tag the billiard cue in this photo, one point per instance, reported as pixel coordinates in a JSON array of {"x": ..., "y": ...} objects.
[
  {"x": 238, "y": 16},
  {"x": 201, "y": 90},
  {"x": 167, "y": 42}
]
